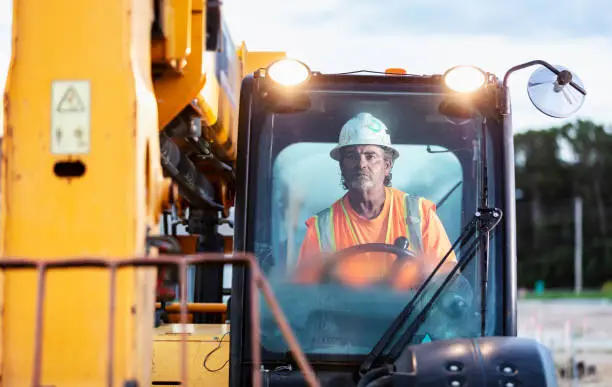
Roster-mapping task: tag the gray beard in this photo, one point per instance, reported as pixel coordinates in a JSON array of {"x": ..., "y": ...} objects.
[{"x": 362, "y": 183}]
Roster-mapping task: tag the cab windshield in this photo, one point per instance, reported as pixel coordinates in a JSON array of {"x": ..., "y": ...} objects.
[{"x": 346, "y": 307}]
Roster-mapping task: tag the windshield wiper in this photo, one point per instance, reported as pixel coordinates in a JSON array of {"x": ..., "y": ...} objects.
[
  {"x": 448, "y": 194},
  {"x": 483, "y": 221}
]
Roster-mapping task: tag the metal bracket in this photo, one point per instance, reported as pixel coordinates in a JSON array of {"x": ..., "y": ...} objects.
[{"x": 488, "y": 218}]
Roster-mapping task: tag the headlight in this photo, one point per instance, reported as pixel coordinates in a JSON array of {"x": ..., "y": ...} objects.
[
  {"x": 289, "y": 72},
  {"x": 464, "y": 79}
]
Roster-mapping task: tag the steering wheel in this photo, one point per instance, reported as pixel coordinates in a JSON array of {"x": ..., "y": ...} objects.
[{"x": 399, "y": 248}]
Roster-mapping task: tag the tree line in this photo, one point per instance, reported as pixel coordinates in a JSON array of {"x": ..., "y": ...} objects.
[{"x": 553, "y": 167}]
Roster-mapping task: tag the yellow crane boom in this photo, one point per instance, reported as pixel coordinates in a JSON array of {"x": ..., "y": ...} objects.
[{"x": 80, "y": 178}]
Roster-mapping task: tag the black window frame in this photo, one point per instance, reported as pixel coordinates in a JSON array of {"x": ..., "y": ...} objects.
[{"x": 501, "y": 176}]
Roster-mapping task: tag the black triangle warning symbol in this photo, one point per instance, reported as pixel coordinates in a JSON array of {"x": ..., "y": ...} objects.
[{"x": 71, "y": 102}]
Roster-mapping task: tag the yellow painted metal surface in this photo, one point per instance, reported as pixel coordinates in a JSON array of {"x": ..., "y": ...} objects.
[
  {"x": 254, "y": 60},
  {"x": 98, "y": 66},
  {"x": 190, "y": 82},
  {"x": 204, "y": 339},
  {"x": 178, "y": 14},
  {"x": 175, "y": 91},
  {"x": 220, "y": 108}
]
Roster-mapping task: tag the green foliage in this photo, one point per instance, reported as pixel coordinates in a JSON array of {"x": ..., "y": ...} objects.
[
  {"x": 607, "y": 288},
  {"x": 552, "y": 167}
]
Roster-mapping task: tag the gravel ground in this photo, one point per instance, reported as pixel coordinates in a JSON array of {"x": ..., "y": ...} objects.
[{"x": 591, "y": 323}]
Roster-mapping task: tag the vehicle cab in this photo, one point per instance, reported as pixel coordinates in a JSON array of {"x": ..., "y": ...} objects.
[{"x": 455, "y": 142}]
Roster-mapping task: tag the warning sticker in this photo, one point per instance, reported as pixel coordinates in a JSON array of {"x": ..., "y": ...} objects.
[
  {"x": 70, "y": 117},
  {"x": 71, "y": 102}
]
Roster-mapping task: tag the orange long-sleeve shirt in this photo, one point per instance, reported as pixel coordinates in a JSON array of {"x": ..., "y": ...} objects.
[{"x": 364, "y": 268}]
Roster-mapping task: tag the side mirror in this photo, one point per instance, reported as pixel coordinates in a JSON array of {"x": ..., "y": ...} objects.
[
  {"x": 553, "y": 90},
  {"x": 553, "y": 94}
]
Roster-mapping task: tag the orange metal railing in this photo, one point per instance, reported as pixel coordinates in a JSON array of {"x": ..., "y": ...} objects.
[{"x": 257, "y": 282}]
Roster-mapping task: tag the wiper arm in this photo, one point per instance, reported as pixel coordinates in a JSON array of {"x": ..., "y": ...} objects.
[
  {"x": 483, "y": 221},
  {"x": 446, "y": 195},
  {"x": 486, "y": 224},
  {"x": 468, "y": 231}
]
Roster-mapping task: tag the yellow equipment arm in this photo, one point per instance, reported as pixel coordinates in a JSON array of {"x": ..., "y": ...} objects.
[
  {"x": 90, "y": 92},
  {"x": 80, "y": 178}
]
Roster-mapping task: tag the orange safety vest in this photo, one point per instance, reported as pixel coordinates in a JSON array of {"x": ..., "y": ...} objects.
[
  {"x": 339, "y": 226},
  {"x": 412, "y": 212}
]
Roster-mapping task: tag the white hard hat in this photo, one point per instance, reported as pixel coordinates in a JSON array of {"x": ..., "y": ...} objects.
[{"x": 363, "y": 129}]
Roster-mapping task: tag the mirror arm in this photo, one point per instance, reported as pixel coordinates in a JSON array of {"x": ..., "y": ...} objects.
[
  {"x": 529, "y": 64},
  {"x": 505, "y": 108}
]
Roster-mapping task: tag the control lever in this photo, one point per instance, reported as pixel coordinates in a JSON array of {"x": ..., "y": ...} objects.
[{"x": 402, "y": 243}]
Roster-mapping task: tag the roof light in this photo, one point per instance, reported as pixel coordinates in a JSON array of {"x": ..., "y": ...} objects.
[
  {"x": 395, "y": 70},
  {"x": 464, "y": 79},
  {"x": 289, "y": 72}
]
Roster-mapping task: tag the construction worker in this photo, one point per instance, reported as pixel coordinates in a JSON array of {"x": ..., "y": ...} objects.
[{"x": 372, "y": 212}]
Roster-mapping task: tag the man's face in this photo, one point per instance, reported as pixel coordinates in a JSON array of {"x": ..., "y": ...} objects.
[{"x": 364, "y": 167}]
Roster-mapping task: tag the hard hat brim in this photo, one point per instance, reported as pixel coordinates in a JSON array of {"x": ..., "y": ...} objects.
[{"x": 335, "y": 153}]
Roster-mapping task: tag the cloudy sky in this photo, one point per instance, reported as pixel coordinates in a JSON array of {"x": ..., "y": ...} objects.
[{"x": 429, "y": 36}]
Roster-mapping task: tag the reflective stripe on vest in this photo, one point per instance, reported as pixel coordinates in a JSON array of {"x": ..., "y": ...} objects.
[
  {"x": 324, "y": 224},
  {"x": 413, "y": 210}
]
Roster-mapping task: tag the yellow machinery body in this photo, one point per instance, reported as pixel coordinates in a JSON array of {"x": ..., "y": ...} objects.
[
  {"x": 207, "y": 354},
  {"x": 81, "y": 178}
]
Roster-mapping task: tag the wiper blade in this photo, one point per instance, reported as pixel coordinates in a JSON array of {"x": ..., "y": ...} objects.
[{"x": 483, "y": 221}]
